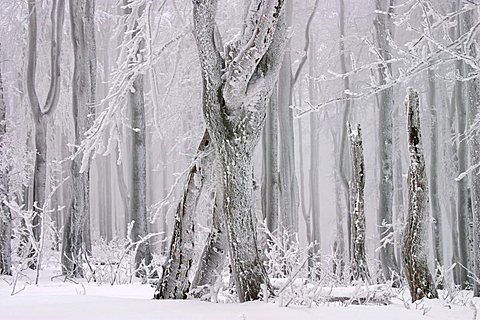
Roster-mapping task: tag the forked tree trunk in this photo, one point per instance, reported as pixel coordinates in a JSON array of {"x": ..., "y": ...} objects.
[
  {"x": 83, "y": 98},
  {"x": 5, "y": 215},
  {"x": 357, "y": 185},
  {"x": 415, "y": 238},
  {"x": 235, "y": 94},
  {"x": 40, "y": 114},
  {"x": 175, "y": 283}
]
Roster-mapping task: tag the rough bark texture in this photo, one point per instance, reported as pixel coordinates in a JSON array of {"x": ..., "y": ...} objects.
[
  {"x": 175, "y": 283},
  {"x": 235, "y": 95},
  {"x": 357, "y": 186},
  {"x": 5, "y": 214},
  {"x": 215, "y": 252},
  {"x": 415, "y": 237},
  {"x": 83, "y": 98},
  {"x": 383, "y": 27},
  {"x": 40, "y": 114}
]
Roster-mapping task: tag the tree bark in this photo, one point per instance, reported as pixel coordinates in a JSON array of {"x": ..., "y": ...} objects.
[
  {"x": 383, "y": 26},
  {"x": 357, "y": 186},
  {"x": 235, "y": 95},
  {"x": 82, "y": 24},
  {"x": 40, "y": 114},
  {"x": 342, "y": 161},
  {"x": 5, "y": 214},
  {"x": 415, "y": 238},
  {"x": 214, "y": 254},
  {"x": 175, "y": 283}
]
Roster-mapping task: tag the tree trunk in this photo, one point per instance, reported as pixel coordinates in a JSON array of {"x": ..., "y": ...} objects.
[
  {"x": 357, "y": 186},
  {"x": 473, "y": 101},
  {"x": 383, "y": 26},
  {"x": 83, "y": 98},
  {"x": 415, "y": 238},
  {"x": 288, "y": 181},
  {"x": 175, "y": 283},
  {"x": 234, "y": 105},
  {"x": 342, "y": 161},
  {"x": 462, "y": 187},
  {"x": 271, "y": 187},
  {"x": 214, "y": 254},
  {"x": 40, "y": 114},
  {"x": 5, "y": 215},
  {"x": 434, "y": 196}
]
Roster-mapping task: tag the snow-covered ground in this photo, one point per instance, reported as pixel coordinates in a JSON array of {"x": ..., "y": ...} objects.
[{"x": 55, "y": 299}]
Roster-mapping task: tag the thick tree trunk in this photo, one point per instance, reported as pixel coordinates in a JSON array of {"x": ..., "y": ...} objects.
[
  {"x": 235, "y": 94},
  {"x": 83, "y": 98},
  {"x": 357, "y": 186},
  {"x": 175, "y": 283},
  {"x": 5, "y": 214},
  {"x": 415, "y": 238},
  {"x": 383, "y": 26}
]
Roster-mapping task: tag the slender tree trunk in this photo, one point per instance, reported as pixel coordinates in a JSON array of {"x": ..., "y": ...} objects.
[
  {"x": 434, "y": 196},
  {"x": 357, "y": 186},
  {"x": 288, "y": 180},
  {"x": 339, "y": 242},
  {"x": 314, "y": 162},
  {"x": 83, "y": 98},
  {"x": 272, "y": 186},
  {"x": 383, "y": 26},
  {"x": 415, "y": 238},
  {"x": 342, "y": 163},
  {"x": 462, "y": 187},
  {"x": 175, "y": 283},
  {"x": 5, "y": 214}
]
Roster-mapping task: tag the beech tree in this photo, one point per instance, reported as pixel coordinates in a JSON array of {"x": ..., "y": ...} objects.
[
  {"x": 236, "y": 89},
  {"x": 383, "y": 26},
  {"x": 414, "y": 251},
  {"x": 83, "y": 98},
  {"x": 40, "y": 112},
  {"x": 357, "y": 186},
  {"x": 5, "y": 215}
]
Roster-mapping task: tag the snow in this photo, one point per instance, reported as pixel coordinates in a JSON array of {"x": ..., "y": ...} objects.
[{"x": 55, "y": 299}]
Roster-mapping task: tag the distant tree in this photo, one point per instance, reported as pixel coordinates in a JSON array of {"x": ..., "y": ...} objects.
[
  {"x": 384, "y": 31},
  {"x": 5, "y": 214},
  {"x": 41, "y": 113},
  {"x": 77, "y": 226},
  {"x": 415, "y": 251}
]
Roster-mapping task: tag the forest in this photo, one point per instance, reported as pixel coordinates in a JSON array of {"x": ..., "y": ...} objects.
[{"x": 240, "y": 159}]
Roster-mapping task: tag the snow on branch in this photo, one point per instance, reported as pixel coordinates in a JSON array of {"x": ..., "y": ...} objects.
[{"x": 136, "y": 57}]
